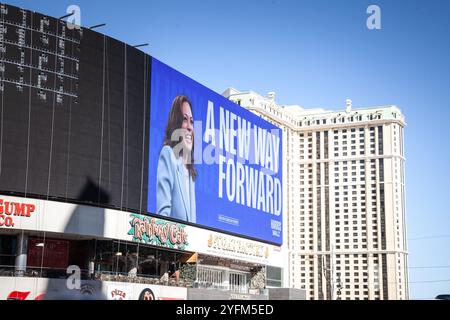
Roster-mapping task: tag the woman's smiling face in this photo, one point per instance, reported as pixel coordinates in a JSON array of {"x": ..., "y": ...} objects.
[{"x": 187, "y": 125}]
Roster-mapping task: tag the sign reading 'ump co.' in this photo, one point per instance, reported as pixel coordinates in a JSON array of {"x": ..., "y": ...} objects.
[{"x": 9, "y": 210}]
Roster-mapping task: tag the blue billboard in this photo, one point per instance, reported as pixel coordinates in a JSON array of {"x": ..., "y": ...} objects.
[{"x": 212, "y": 162}]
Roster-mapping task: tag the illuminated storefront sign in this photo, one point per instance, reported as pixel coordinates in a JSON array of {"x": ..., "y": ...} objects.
[
  {"x": 9, "y": 210},
  {"x": 158, "y": 232},
  {"x": 238, "y": 246},
  {"x": 59, "y": 217}
]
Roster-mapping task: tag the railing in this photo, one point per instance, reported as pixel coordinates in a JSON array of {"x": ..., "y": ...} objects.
[
  {"x": 139, "y": 278},
  {"x": 62, "y": 273},
  {"x": 165, "y": 280},
  {"x": 44, "y": 272}
]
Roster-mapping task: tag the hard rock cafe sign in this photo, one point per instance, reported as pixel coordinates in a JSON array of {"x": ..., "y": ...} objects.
[
  {"x": 9, "y": 210},
  {"x": 158, "y": 232}
]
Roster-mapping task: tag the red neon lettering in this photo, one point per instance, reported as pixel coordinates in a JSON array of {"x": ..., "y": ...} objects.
[
  {"x": 30, "y": 209},
  {"x": 20, "y": 209},
  {"x": 6, "y": 221}
]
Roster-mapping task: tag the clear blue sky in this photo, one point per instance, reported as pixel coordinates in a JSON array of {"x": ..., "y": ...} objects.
[{"x": 317, "y": 54}]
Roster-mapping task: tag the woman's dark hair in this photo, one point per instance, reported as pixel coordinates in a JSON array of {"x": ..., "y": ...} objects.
[
  {"x": 146, "y": 290},
  {"x": 174, "y": 122}
]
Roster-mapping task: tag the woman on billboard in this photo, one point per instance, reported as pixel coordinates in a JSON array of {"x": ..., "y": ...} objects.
[{"x": 175, "y": 189}]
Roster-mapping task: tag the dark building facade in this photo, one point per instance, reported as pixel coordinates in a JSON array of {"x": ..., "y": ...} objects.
[
  {"x": 74, "y": 109},
  {"x": 74, "y": 144}
]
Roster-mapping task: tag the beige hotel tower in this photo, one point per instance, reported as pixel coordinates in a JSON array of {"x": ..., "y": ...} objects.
[{"x": 344, "y": 192}]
